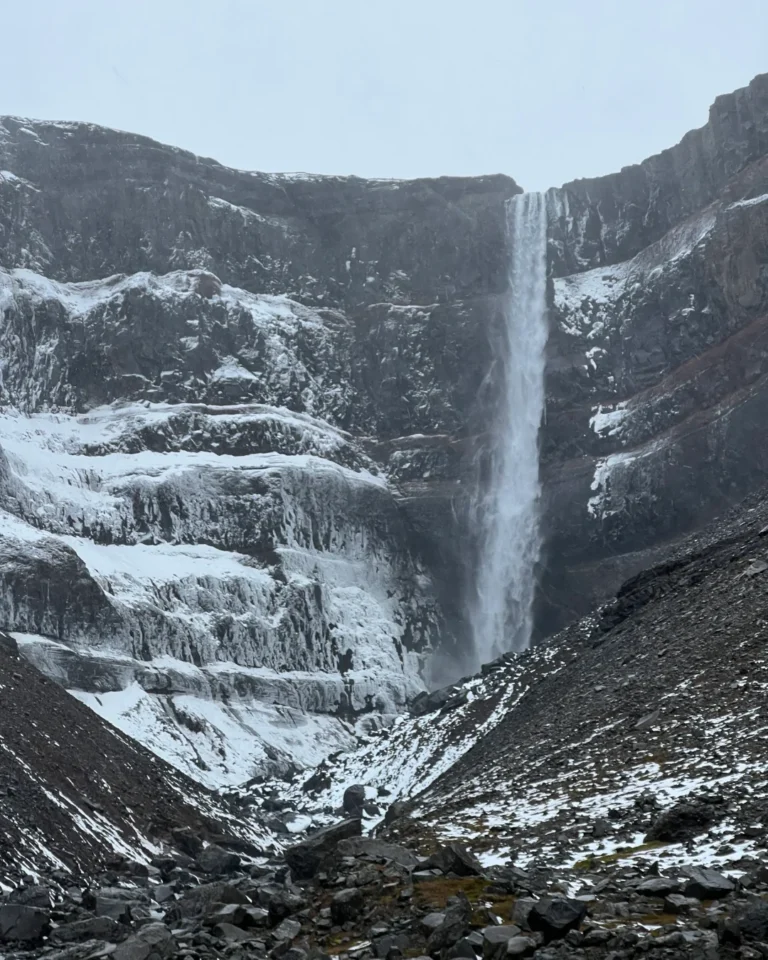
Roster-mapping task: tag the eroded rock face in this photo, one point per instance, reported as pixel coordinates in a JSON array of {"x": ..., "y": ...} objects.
[
  {"x": 657, "y": 365},
  {"x": 244, "y": 413}
]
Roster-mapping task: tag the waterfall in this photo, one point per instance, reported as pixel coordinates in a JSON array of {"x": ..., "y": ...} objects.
[{"x": 507, "y": 507}]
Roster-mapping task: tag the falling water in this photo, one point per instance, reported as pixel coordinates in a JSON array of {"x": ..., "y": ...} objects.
[{"x": 502, "y": 618}]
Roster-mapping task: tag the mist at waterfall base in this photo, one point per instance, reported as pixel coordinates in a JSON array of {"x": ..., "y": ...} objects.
[{"x": 504, "y": 512}]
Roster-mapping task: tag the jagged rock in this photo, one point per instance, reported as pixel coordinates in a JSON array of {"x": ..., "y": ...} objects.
[
  {"x": 658, "y": 886},
  {"x": 347, "y": 905},
  {"x": 431, "y": 922},
  {"x": 214, "y": 859},
  {"x": 752, "y": 920},
  {"x": 453, "y": 858},
  {"x": 681, "y": 823},
  {"x": 520, "y": 947},
  {"x": 306, "y": 858},
  {"x": 152, "y": 942},
  {"x": 496, "y": 939},
  {"x": 21, "y": 922},
  {"x": 373, "y": 849},
  {"x": 396, "y": 810},
  {"x": 557, "y": 916},
  {"x": 706, "y": 884},
  {"x": 287, "y": 930},
  {"x": 90, "y": 928},
  {"x": 354, "y": 800},
  {"x": 455, "y": 925}
]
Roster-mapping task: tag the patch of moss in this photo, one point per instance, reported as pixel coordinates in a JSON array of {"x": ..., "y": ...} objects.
[{"x": 437, "y": 892}]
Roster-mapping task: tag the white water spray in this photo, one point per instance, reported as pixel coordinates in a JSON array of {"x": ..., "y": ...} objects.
[{"x": 502, "y": 618}]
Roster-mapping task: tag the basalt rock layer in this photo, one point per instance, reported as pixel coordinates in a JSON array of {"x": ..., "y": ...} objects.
[{"x": 243, "y": 416}]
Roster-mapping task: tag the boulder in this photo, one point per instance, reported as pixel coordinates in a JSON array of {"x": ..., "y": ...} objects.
[
  {"x": 658, "y": 887},
  {"x": 152, "y": 942},
  {"x": 373, "y": 849},
  {"x": 216, "y": 860},
  {"x": 347, "y": 905},
  {"x": 453, "y": 858},
  {"x": 91, "y": 928},
  {"x": 354, "y": 800},
  {"x": 681, "y": 822},
  {"x": 556, "y": 916},
  {"x": 306, "y": 858},
  {"x": 495, "y": 940},
  {"x": 21, "y": 922},
  {"x": 706, "y": 884},
  {"x": 455, "y": 925}
]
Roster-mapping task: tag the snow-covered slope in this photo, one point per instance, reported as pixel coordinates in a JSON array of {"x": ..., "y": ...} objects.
[
  {"x": 229, "y": 582},
  {"x": 568, "y": 755}
]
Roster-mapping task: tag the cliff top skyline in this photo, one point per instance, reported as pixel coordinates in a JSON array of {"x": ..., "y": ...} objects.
[{"x": 544, "y": 94}]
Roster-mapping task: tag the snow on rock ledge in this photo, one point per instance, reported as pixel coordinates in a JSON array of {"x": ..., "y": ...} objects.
[{"x": 230, "y": 581}]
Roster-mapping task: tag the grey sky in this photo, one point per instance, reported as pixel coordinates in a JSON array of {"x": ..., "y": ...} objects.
[{"x": 545, "y": 90}]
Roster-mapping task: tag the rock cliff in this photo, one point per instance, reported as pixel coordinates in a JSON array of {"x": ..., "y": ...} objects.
[
  {"x": 243, "y": 415},
  {"x": 236, "y": 412},
  {"x": 657, "y": 390}
]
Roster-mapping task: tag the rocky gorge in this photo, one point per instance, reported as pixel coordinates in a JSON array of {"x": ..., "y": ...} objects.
[
  {"x": 246, "y": 420},
  {"x": 245, "y": 415}
]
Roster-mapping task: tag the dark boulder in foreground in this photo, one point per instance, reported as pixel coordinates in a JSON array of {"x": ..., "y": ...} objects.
[{"x": 556, "y": 917}]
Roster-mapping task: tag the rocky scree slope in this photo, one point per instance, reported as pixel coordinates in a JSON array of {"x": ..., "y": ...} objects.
[
  {"x": 338, "y": 893},
  {"x": 74, "y": 791},
  {"x": 218, "y": 502},
  {"x": 577, "y": 754}
]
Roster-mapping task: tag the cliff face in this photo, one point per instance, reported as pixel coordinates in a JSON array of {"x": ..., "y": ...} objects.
[
  {"x": 657, "y": 390},
  {"x": 243, "y": 414},
  {"x": 236, "y": 409}
]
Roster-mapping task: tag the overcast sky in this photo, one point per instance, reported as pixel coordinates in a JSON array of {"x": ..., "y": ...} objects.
[{"x": 544, "y": 90}]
